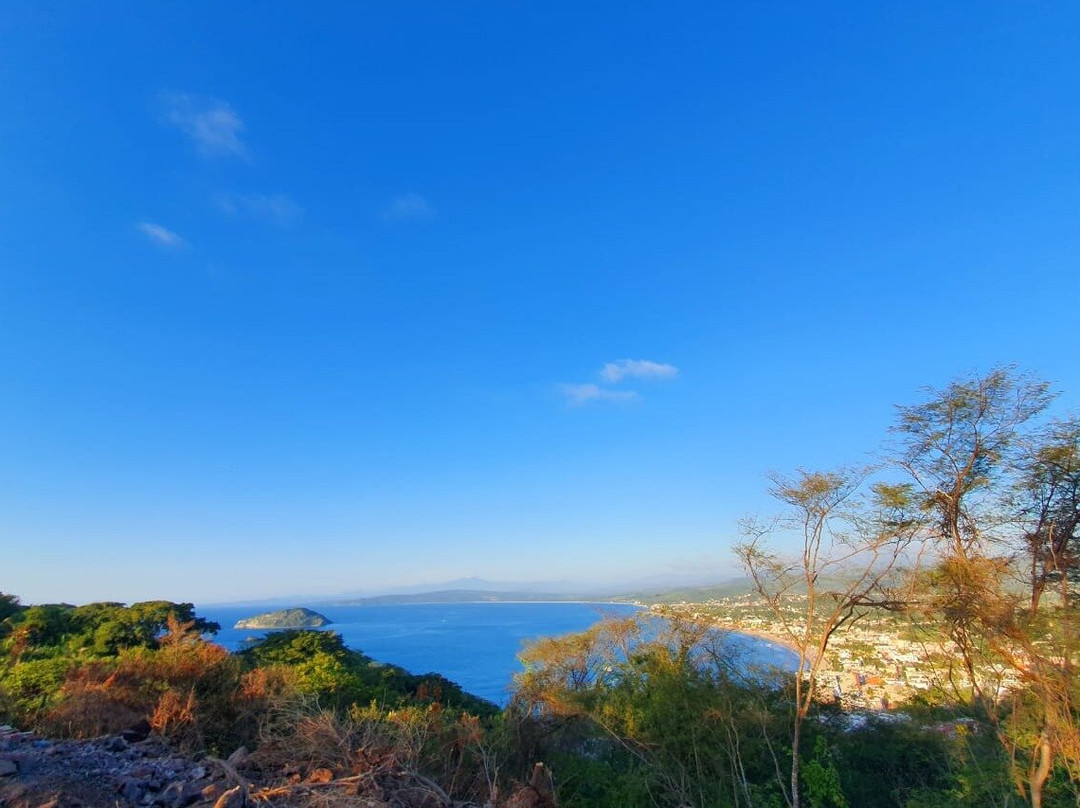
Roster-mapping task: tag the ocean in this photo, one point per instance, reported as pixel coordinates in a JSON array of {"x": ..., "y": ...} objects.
[{"x": 473, "y": 644}]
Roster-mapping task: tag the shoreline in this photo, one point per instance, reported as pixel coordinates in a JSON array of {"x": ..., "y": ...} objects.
[{"x": 786, "y": 644}]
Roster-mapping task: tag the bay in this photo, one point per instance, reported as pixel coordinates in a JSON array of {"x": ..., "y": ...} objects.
[{"x": 473, "y": 644}]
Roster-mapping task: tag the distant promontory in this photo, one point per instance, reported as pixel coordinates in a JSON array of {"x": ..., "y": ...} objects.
[{"x": 285, "y": 618}]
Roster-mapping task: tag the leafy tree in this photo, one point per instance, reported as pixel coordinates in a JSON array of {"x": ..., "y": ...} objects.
[
  {"x": 957, "y": 446},
  {"x": 822, "y": 779},
  {"x": 102, "y": 629},
  {"x": 9, "y": 605},
  {"x": 32, "y": 684},
  {"x": 989, "y": 487},
  {"x": 644, "y": 712},
  {"x": 564, "y": 674},
  {"x": 294, "y": 646},
  {"x": 885, "y": 762},
  {"x": 38, "y": 627},
  {"x": 1048, "y": 496},
  {"x": 321, "y": 664}
]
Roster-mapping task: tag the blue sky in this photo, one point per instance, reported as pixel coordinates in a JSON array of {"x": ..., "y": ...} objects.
[{"x": 336, "y": 297}]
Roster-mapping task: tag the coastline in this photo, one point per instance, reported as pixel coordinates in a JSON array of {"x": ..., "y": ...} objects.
[
  {"x": 784, "y": 642},
  {"x": 787, "y": 644},
  {"x": 442, "y": 637}
]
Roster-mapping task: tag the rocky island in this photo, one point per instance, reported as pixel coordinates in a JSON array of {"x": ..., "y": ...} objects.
[{"x": 285, "y": 618}]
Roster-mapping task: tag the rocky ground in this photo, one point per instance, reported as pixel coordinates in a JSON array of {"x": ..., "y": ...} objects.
[
  {"x": 112, "y": 771},
  {"x": 137, "y": 769}
]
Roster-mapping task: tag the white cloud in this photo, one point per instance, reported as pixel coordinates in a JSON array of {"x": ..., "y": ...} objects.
[
  {"x": 212, "y": 124},
  {"x": 277, "y": 209},
  {"x": 614, "y": 372},
  {"x": 161, "y": 236},
  {"x": 578, "y": 394},
  {"x": 408, "y": 206}
]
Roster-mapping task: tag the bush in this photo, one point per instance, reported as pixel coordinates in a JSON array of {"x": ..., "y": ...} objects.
[
  {"x": 30, "y": 687},
  {"x": 648, "y": 714}
]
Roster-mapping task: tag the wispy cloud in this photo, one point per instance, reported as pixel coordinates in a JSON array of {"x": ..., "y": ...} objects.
[
  {"x": 614, "y": 372},
  {"x": 213, "y": 125},
  {"x": 162, "y": 236},
  {"x": 276, "y": 209},
  {"x": 408, "y": 206},
  {"x": 578, "y": 394}
]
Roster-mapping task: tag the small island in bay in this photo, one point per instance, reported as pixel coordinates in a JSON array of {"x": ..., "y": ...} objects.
[{"x": 285, "y": 618}]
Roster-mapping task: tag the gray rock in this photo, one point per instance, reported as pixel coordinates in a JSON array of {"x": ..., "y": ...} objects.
[
  {"x": 115, "y": 744},
  {"x": 137, "y": 733},
  {"x": 132, "y": 791},
  {"x": 8, "y": 768},
  {"x": 239, "y": 758}
]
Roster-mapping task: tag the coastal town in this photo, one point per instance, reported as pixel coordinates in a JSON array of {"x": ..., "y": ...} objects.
[{"x": 877, "y": 662}]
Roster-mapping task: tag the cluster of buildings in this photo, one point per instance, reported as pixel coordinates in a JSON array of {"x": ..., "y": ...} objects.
[{"x": 875, "y": 662}]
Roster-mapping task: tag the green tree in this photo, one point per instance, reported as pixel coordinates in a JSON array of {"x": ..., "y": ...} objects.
[
  {"x": 9, "y": 608},
  {"x": 1048, "y": 498},
  {"x": 9, "y": 605},
  {"x": 996, "y": 499},
  {"x": 36, "y": 628},
  {"x": 112, "y": 627},
  {"x": 641, "y": 711},
  {"x": 32, "y": 684}
]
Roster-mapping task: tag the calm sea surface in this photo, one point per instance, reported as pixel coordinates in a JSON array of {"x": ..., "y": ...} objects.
[{"x": 473, "y": 644}]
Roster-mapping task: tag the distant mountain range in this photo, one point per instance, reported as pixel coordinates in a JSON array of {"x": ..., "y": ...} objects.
[
  {"x": 466, "y": 596},
  {"x": 522, "y": 593},
  {"x": 665, "y": 588}
]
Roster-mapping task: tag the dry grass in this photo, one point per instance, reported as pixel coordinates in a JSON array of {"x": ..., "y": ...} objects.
[
  {"x": 192, "y": 692},
  {"x": 198, "y": 696},
  {"x": 415, "y": 756},
  {"x": 298, "y": 735},
  {"x": 92, "y": 704}
]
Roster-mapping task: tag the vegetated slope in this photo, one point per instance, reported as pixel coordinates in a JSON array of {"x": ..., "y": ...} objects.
[{"x": 318, "y": 717}]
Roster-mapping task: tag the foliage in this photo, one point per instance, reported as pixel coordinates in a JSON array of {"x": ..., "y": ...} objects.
[
  {"x": 642, "y": 712},
  {"x": 904, "y": 758},
  {"x": 30, "y": 686},
  {"x": 322, "y": 666},
  {"x": 96, "y": 629},
  {"x": 822, "y": 780},
  {"x": 997, "y": 498},
  {"x": 9, "y": 606}
]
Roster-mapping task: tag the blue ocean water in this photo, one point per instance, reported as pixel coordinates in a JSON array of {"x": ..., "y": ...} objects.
[{"x": 473, "y": 644}]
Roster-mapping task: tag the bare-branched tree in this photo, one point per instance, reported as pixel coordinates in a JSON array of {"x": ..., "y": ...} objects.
[{"x": 846, "y": 543}]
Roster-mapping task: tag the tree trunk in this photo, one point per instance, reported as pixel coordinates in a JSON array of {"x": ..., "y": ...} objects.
[
  {"x": 1066, "y": 622},
  {"x": 1037, "y": 585},
  {"x": 795, "y": 763},
  {"x": 796, "y": 735},
  {"x": 1040, "y": 773}
]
